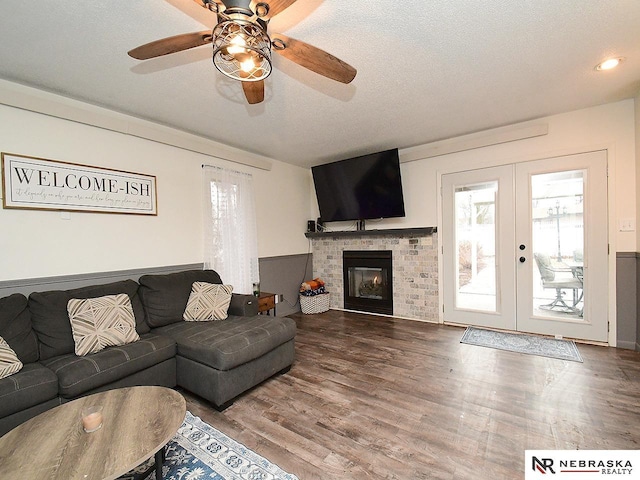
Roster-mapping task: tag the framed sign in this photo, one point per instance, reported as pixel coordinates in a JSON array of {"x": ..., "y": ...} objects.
[{"x": 40, "y": 184}]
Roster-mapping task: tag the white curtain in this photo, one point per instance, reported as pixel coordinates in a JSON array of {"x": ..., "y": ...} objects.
[{"x": 230, "y": 234}]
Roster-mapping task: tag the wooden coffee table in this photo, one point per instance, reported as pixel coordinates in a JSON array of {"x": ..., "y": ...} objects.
[{"x": 138, "y": 423}]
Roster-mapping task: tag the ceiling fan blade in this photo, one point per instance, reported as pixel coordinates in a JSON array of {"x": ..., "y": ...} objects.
[
  {"x": 169, "y": 45},
  {"x": 270, "y": 7},
  {"x": 313, "y": 58},
  {"x": 254, "y": 91}
]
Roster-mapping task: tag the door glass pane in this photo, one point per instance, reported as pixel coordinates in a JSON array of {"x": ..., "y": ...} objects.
[
  {"x": 475, "y": 221},
  {"x": 558, "y": 244}
]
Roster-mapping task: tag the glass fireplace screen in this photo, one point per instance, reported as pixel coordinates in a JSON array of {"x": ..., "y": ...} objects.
[{"x": 368, "y": 282}]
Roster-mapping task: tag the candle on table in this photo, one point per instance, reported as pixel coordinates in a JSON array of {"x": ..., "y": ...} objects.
[{"x": 91, "y": 418}]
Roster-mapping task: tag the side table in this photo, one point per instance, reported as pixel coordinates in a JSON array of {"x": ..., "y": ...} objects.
[{"x": 266, "y": 303}]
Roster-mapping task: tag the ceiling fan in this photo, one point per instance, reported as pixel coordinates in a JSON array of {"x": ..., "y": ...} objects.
[{"x": 242, "y": 47}]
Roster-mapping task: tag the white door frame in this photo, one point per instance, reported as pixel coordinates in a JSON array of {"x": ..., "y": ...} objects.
[{"x": 458, "y": 166}]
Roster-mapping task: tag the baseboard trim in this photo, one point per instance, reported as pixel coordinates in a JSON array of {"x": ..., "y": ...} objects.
[
  {"x": 628, "y": 345},
  {"x": 393, "y": 317}
]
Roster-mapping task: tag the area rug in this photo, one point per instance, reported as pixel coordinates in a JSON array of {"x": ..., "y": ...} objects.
[
  {"x": 522, "y": 343},
  {"x": 198, "y": 452}
]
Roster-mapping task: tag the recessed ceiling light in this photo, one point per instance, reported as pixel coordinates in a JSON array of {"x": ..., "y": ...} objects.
[{"x": 610, "y": 63}]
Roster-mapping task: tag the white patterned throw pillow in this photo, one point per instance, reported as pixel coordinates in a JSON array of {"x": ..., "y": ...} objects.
[
  {"x": 101, "y": 322},
  {"x": 9, "y": 362},
  {"x": 208, "y": 301}
]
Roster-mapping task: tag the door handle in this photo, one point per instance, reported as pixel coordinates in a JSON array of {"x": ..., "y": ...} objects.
[{"x": 522, "y": 259}]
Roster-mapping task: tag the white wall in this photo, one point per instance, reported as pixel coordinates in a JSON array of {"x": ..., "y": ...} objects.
[
  {"x": 608, "y": 127},
  {"x": 42, "y": 243},
  {"x": 37, "y": 243},
  {"x": 283, "y": 206}
]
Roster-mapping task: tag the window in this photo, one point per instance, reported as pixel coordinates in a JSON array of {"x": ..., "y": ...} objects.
[{"x": 230, "y": 236}]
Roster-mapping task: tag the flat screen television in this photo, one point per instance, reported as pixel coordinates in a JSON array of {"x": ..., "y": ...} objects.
[{"x": 360, "y": 188}]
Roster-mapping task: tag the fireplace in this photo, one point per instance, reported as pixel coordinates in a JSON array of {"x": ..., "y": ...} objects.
[{"x": 368, "y": 285}]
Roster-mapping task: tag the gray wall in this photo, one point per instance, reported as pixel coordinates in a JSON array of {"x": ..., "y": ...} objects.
[
  {"x": 627, "y": 281},
  {"x": 637, "y": 303},
  {"x": 66, "y": 282},
  {"x": 283, "y": 276}
]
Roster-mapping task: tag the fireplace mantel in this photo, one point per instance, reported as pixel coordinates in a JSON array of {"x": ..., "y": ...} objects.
[{"x": 392, "y": 232}]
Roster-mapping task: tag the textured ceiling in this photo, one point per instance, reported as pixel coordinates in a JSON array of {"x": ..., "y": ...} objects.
[{"x": 426, "y": 70}]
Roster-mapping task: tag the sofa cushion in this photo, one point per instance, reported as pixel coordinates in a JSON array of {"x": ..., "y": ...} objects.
[
  {"x": 51, "y": 321},
  {"x": 165, "y": 296},
  {"x": 9, "y": 362},
  {"x": 208, "y": 301},
  {"x": 228, "y": 343},
  {"x": 32, "y": 385},
  {"x": 77, "y": 375},
  {"x": 101, "y": 322},
  {"x": 15, "y": 327}
]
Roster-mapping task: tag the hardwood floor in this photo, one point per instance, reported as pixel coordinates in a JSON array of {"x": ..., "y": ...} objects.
[{"x": 375, "y": 398}]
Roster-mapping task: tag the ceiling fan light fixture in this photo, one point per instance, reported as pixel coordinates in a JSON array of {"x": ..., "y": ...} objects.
[
  {"x": 242, "y": 47},
  {"x": 242, "y": 50}
]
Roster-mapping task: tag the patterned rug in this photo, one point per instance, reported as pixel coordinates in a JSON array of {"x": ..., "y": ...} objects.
[
  {"x": 198, "y": 452},
  {"x": 522, "y": 343}
]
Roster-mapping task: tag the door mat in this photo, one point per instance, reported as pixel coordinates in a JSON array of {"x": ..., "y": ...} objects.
[{"x": 522, "y": 343}]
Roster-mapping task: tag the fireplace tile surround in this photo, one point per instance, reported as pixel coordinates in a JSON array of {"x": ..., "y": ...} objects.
[{"x": 415, "y": 266}]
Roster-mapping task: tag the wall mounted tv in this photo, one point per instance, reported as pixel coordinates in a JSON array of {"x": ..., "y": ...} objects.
[{"x": 360, "y": 188}]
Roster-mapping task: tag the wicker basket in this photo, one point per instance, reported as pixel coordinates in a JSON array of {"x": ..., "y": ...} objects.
[{"x": 314, "y": 304}]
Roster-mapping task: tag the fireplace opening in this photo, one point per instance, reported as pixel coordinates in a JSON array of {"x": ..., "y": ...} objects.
[{"x": 368, "y": 283}]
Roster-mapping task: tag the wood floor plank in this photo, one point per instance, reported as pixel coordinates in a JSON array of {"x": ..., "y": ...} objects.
[{"x": 377, "y": 398}]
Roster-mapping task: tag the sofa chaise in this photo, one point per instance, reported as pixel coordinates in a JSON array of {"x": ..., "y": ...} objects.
[{"x": 217, "y": 360}]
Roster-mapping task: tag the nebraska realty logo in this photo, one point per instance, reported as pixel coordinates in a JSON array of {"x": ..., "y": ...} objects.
[{"x": 582, "y": 464}]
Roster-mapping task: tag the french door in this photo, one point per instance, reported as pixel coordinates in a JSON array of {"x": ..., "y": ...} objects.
[{"x": 525, "y": 247}]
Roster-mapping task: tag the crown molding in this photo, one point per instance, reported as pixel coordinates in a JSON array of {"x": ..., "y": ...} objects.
[
  {"x": 46, "y": 103},
  {"x": 485, "y": 138}
]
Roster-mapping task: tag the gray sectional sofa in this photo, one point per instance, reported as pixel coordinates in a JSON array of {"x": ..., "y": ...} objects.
[{"x": 217, "y": 360}]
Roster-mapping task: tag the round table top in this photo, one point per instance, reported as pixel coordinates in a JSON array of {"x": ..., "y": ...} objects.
[{"x": 138, "y": 422}]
